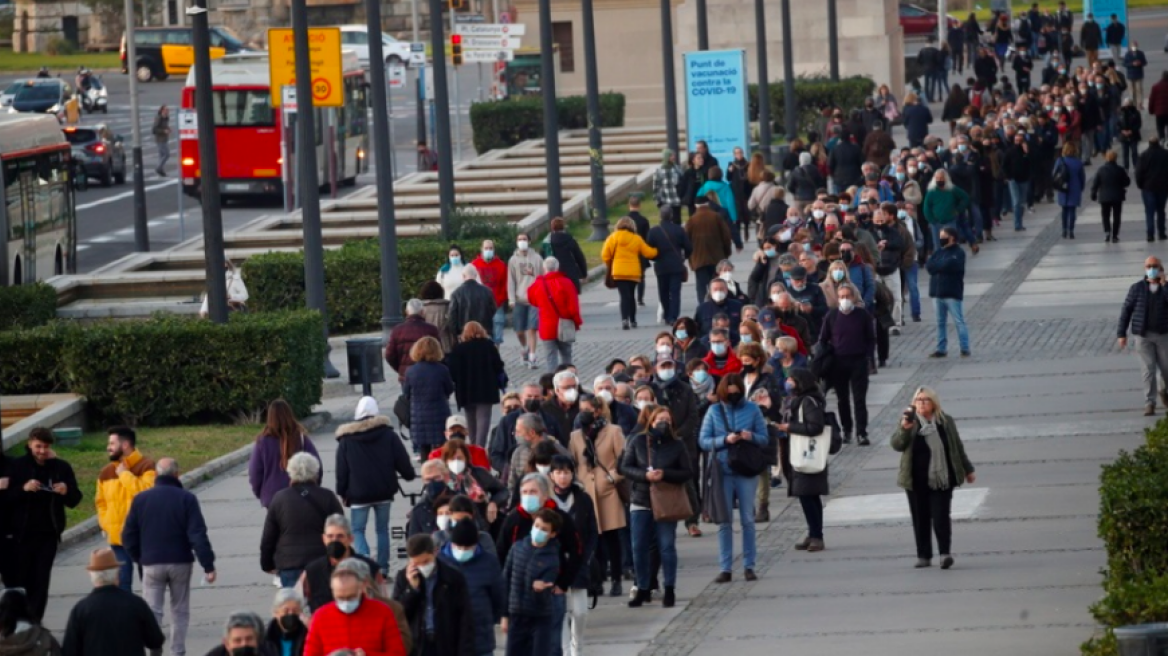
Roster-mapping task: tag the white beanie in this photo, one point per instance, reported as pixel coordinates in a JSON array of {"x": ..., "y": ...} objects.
[
  {"x": 366, "y": 407},
  {"x": 804, "y": 159}
]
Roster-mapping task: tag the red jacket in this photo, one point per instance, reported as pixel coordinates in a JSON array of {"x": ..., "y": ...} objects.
[
  {"x": 1158, "y": 99},
  {"x": 733, "y": 365},
  {"x": 555, "y": 296},
  {"x": 478, "y": 456},
  {"x": 372, "y": 627},
  {"x": 493, "y": 274}
]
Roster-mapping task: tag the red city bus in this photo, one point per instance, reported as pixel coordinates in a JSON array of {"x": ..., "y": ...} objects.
[{"x": 249, "y": 136}]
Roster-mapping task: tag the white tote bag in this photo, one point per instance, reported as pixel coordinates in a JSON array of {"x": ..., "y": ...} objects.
[{"x": 809, "y": 452}]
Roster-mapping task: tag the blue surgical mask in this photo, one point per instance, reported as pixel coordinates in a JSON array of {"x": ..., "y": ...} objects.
[
  {"x": 789, "y": 386},
  {"x": 462, "y": 555},
  {"x": 719, "y": 348},
  {"x": 455, "y": 260},
  {"x": 1152, "y": 272},
  {"x": 681, "y": 333},
  {"x": 837, "y": 275},
  {"x": 488, "y": 254},
  {"x": 901, "y": 214},
  {"x": 348, "y": 606},
  {"x": 961, "y": 148},
  {"x": 900, "y": 176},
  {"x": 770, "y": 252},
  {"x": 666, "y": 374},
  {"x": 530, "y": 503},
  {"x": 539, "y": 536},
  {"x": 746, "y": 339},
  {"x": 701, "y": 376},
  {"x": 807, "y": 247}
]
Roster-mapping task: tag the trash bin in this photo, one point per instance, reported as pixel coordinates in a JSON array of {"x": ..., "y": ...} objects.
[
  {"x": 1143, "y": 639},
  {"x": 67, "y": 436},
  {"x": 365, "y": 364}
]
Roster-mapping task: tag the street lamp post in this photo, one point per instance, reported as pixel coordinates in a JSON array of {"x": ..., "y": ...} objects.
[
  {"x": 703, "y": 26},
  {"x": 670, "y": 79},
  {"x": 551, "y": 123},
  {"x": 595, "y": 144},
  {"x": 790, "y": 119},
  {"x": 764, "y": 87},
  {"x": 209, "y": 164},
  {"x": 442, "y": 118},
  {"x": 833, "y": 40},
  {"x": 141, "y": 229},
  {"x": 420, "y": 96}
]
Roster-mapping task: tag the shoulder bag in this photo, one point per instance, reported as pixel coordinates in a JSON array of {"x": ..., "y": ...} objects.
[
  {"x": 745, "y": 457},
  {"x": 684, "y": 269},
  {"x": 809, "y": 452},
  {"x": 565, "y": 328},
  {"x": 609, "y": 281},
  {"x": 669, "y": 501},
  {"x": 623, "y": 487}
]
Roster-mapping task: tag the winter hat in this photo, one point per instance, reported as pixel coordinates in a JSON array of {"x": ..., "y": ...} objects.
[
  {"x": 366, "y": 407},
  {"x": 464, "y": 534}
]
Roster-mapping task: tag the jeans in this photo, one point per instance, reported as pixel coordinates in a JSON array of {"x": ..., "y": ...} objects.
[
  {"x": 498, "y": 323},
  {"x": 1111, "y": 210},
  {"x": 628, "y": 301},
  {"x": 1020, "y": 192},
  {"x": 163, "y": 152},
  {"x": 572, "y": 639},
  {"x": 1131, "y": 152},
  {"x": 528, "y": 635},
  {"x": 289, "y": 577},
  {"x": 813, "y": 513},
  {"x": 1153, "y": 351},
  {"x": 645, "y": 531},
  {"x": 943, "y": 307},
  {"x": 125, "y": 568},
  {"x": 914, "y": 291},
  {"x": 930, "y": 512},
  {"x": 554, "y": 350},
  {"x": 1154, "y": 212},
  {"x": 669, "y": 295},
  {"x": 977, "y": 224},
  {"x": 360, "y": 518},
  {"x": 1069, "y": 219},
  {"x": 703, "y": 276},
  {"x": 849, "y": 379},
  {"x": 742, "y": 489},
  {"x": 155, "y": 581}
]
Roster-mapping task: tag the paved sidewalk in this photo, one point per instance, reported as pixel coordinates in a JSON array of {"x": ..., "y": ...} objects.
[{"x": 1045, "y": 399}]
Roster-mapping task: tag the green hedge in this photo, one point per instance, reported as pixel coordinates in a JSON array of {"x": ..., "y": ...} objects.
[
  {"x": 812, "y": 94},
  {"x": 1133, "y": 524},
  {"x": 504, "y": 123},
  {"x": 27, "y": 306},
  {"x": 169, "y": 369}
]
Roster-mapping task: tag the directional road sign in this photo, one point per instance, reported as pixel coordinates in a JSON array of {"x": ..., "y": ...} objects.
[
  {"x": 490, "y": 42},
  {"x": 490, "y": 29},
  {"x": 474, "y": 56}
]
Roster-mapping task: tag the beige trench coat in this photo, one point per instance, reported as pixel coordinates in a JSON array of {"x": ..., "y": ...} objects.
[{"x": 610, "y": 444}]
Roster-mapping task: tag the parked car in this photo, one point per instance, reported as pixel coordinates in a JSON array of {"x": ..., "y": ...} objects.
[
  {"x": 918, "y": 21},
  {"x": 101, "y": 152},
  {"x": 41, "y": 96},
  {"x": 9, "y": 93},
  {"x": 356, "y": 38}
]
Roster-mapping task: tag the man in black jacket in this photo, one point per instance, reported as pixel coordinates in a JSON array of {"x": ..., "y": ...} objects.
[
  {"x": 110, "y": 620},
  {"x": 40, "y": 487},
  {"x": 503, "y": 442},
  {"x": 436, "y": 601},
  {"x": 946, "y": 267},
  {"x": 1090, "y": 38},
  {"x": 1114, "y": 36},
  {"x": 1145, "y": 310},
  {"x": 338, "y": 545},
  {"x": 1017, "y": 164},
  {"x": 844, "y": 162},
  {"x": 472, "y": 301},
  {"x": 890, "y": 244},
  {"x": 1152, "y": 179},
  {"x": 673, "y": 249}
]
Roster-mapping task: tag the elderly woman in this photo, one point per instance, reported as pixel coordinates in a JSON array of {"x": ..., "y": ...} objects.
[
  {"x": 428, "y": 386},
  {"x": 488, "y": 494},
  {"x": 295, "y": 521},
  {"x": 288, "y": 629},
  {"x": 596, "y": 447},
  {"x": 621, "y": 254},
  {"x": 243, "y": 629},
  {"x": 478, "y": 374},
  {"x": 932, "y": 464}
]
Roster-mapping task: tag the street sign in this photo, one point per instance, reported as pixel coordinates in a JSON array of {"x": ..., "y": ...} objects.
[
  {"x": 428, "y": 82},
  {"x": 188, "y": 125},
  {"x": 324, "y": 45},
  {"x": 490, "y": 42},
  {"x": 288, "y": 99},
  {"x": 469, "y": 18},
  {"x": 490, "y": 29},
  {"x": 475, "y": 56},
  {"x": 417, "y": 53},
  {"x": 397, "y": 77}
]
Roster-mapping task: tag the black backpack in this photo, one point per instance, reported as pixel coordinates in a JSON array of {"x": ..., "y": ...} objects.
[{"x": 745, "y": 457}]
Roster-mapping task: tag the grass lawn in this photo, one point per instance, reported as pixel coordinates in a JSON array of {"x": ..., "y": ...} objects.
[
  {"x": 582, "y": 229},
  {"x": 190, "y": 445},
  {"x": 66, "y": 65}
]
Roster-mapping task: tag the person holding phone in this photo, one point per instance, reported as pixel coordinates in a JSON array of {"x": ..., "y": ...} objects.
[{"x": 932, "y": 464}]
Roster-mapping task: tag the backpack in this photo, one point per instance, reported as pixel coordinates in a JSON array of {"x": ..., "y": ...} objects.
[{"x": 745, "y": 457}]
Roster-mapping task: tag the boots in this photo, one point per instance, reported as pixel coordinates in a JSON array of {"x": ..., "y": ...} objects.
[
  {"x": 670, "y": 598},
  {"x": 763, "y": 514},
  {"x": 640, "y": 598}
]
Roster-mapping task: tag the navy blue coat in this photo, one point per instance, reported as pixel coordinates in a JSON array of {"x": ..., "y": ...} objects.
[
  {"x": 1076, "y": 182},
  {"x": 527, "y": 564},
  {"x": 484, "y": 584},
  {"x": 1135, "y": 310},
  {"x": 165, "y": 526},
  {"x": 917, "y": 118},
  {"x": 370, "y": 458},
  {"x": 429, "y": 387},
  {"x": 673, "y": 248},
  {"x": 946, "y": 268}
]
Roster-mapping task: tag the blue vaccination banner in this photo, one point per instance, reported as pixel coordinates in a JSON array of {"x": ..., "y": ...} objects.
[
  {"x": 1103, "y": 9},
  {"x": 717, "y": 101}
]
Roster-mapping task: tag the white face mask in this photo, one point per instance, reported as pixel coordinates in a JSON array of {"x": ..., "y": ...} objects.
[
  {"x": 350, "y": 606},
  {"x": 641, "y": 405},
  {"x": 664, "y": 348},
  {"x": 426, "y": 570},
  {"x": 718, "y": 296},
  {"x": 606, "y": 395},
  {"x": 728, "y": 276},
  {"x": 666, "y": 373},
  {"x": 443, "y": 522},
  {"x": 571, "y": 394},
  {"x": 543, "y": 469},
  {"x": 523, "y": 244},
  {"x": 819, "y": 214},
  {"x": 456, "y": 467},
  {"x": 775, "y": 298},
  {"x": 846, "y": 305}
]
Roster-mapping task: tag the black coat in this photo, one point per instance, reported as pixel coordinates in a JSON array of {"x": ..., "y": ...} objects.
[
  {"x": 1017, "y": 165},
  {"x": 1090, "y": 35},
  {"x": 564, "y": 419},
  {"x": 679, "y": 397},
  {"x": 22, "y": 506},
  {"x": 273, "y": 640},
  {"x": 844, "y": 163},
  {"x": 583, "y": 514},
  {"x": 370, "y": 458},
  {"x": 804, "y": 415},
  {"x": 472, "y": 301},
  {"x": 669, "y": 455},
  {"x": 478, "y": 372},
  {"x": 567, "y": 251},
  {"x": 112, "y": 621},
  {"x": 1110, "y": 184},
  {"x": 804, "y": 181},
  {"x": 454, "y": 631},
  {"x": 946, "y": 267},
  {"x": 1135, "y": 310},
  {"x": 917, "y": 119},
  {"x": 673, "y": 248},
  {"x": 294, "y": 525},
  {"x": 1152, "y": 169}
]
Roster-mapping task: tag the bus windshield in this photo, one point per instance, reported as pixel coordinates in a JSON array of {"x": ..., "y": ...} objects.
[{"x": 237, "y": 109}]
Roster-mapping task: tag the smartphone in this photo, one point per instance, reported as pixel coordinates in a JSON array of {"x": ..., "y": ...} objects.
[{"x": 910, "y": 414}]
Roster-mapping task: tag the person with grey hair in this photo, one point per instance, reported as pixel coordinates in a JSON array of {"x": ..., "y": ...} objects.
[
  {"x": 534, "y": 495},
  {"x": 530, "y": 430},
  {"x": 288, "y": 629},
  {"x": 164, "y": 533},
  {"x": 338, "y": 546},
  {"x": 355, "y": 620},
  {"x": 295, "y": 521},
  {"x": 403, "y": 337},
  {"x": 243, "y": 633},
  {"x": 110, "y": 620},
  {"x": 472, "y": 301},
  {"x": 554, "y": 295}
]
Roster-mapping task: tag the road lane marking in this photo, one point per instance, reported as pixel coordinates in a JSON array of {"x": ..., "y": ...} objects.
[
  {"x": 104, "y": 239},
  {"x": 123, "y": 195}
]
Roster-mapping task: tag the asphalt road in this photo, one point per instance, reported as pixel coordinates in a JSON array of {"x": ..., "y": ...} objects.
[{"x": 106, "y": 215}]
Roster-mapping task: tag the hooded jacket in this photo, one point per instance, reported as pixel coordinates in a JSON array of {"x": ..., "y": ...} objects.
[
  {"x": 725, "y": 196},
  {"x": 115, "y": 492},
  {"x": 370, "y": 458},
  {"x": 623, "y": 251},
  {"x": 522, "y": 270},
  {"x": 493, "y": 276},
  {"x": 555, "y": 296},
  {"x": 484, "y": 584}
]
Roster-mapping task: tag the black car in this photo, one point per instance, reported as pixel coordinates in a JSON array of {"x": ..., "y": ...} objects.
[
  {"x": 99, "y": 151},
  {"x": 42, "y": 96}
]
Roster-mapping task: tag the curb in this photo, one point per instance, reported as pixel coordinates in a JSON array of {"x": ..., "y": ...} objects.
[{"x": 192, "y": 479}]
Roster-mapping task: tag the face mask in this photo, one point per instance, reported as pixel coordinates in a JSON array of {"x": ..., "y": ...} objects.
[
  {"x": 940, "y": 184},
  {"x": 734, "y": 398},
  {"x": 961, "y": 148},
  {"x": 1062, "y": 71},
  {"x": 336, "y": 550},
  {"x": 587, "y": 417},
  {"x": 462, "y": 555},
  {"x": 433, "y": 489},
  {"x": 641, "y": 405},
  {"x": 571, "y": 394},
  {"x": 900, "y": 176},
  {"x": 443, "y": 522},
  {"x": 290, "y": 623},
  {"x": 244, "y": 651},
  {"x": 543, "y": 469},
  {"x": 1152, "y": 272},
  {"x": 661, "y": 427},
  {"x": 819, "y": 214},
  {"x": 488, "y": 254},
  {"x": 789, "y": 386},
  {"x": 427, "y": 570},
  {"x": 666, "y": 373},
  {"x": 455, "y": 260},
  {"x": 746, "y": 339},
  {"x": 718, "y": 296},
  {"x": 846, "y": 305},
  {"x": 522, "y": 244},
  {"x": 346, "y": 606},
  {"x": 700, "y": 376},
  {"x": 912, "y": 170},
  {"x": 530, "y": 502},
  {"x": 749, "y": 368},
  {"x": 539, "y": 536},
  {"x": 902, "y": 215},
  {"x": 846, "y": 256},
  {"x": 837, "y": 275},
  {"x": 770, "y": 253},
  {"x": 606, "y": 395},
  {"x": 664, "y": 348},
  {"x": 531, "y": 405},
  {"x": 681, "y": 333},
  {"x": 799, "y": 285},
  {"x": 728, "y": 276},
  {"x": 456, "y": 466},
  {"x": 871, "y": 177},
  {"x": 719, "y": 348}
]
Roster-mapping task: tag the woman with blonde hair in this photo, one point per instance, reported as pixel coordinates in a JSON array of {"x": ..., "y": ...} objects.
[
  {"x": 932, "y": 464},
  {"x": 428, "y": 386},
  {"x": 479, "y": 375},
  {"x": 837, "y": 276},
  {"x": 622, "y": 254}
]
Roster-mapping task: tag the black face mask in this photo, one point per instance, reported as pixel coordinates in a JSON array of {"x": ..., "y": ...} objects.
[
  {"x": 748, "y": 368},
  {"x": 846, "y": 256},
  {"x": 940, "y": 184},
  {"x": 290, "y": 623},
  {"x": 661, "y": 428},
  {"x": 245, "y": 651},
  {"x": 586, "y": 418},
  {"x": 457, "y": 435},
  {"x": 531, "y": 405},
  {"x": 336, "y": 550},
  {"x": 435, "y": 488},
  {"x": 734, "y": 398}
]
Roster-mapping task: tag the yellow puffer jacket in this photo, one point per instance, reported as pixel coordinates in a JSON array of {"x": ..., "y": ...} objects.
[
  {"x": 623, "y": 251},
  {"x": 115, "y": 492}
]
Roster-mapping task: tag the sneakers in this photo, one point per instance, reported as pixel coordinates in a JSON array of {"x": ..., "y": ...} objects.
[{"x": 923, "y": 563}]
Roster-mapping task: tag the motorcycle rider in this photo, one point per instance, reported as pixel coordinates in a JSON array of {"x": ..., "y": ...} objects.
[{"x": 44, "y": 72}]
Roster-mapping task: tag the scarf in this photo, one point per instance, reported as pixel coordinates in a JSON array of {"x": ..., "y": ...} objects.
[
  {"x": 702, "y": 389},
  {"x": 565, "y": 500},
  {"x": 938, "y": 469}
]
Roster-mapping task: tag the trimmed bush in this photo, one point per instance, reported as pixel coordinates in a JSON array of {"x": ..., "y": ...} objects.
[
  {"x": 32, "y": 359},
  {"x": 814, "y": 93},
  {"x": 504, "y": 123},
  {"x": 27, "y": 306}
]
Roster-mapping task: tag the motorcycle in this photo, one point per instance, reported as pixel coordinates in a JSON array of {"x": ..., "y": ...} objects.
[{"x": 94, "y": 97}]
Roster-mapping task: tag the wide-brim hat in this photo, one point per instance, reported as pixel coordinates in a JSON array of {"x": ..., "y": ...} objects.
[{"x": 102, "y": 559}]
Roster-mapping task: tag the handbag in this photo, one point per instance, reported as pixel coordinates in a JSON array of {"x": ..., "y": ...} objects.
[
  {"x": 401, "y": 409},
  {"x": 809, "y": 452},
  {"x": 609, "y": 281},
  {"x": 565, "y": 328},
  {"x": 669, "y": 501},
  {"x": 684, "y": 270},
  {"x": 745, "y": 457}
]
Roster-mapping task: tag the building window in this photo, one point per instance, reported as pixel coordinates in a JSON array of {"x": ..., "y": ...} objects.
[{"x": 562, "y": 37}]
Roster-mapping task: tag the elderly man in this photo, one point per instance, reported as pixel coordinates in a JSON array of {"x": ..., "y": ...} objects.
[
  {"x": 472, "y": 301},
  {"x": 1145, "y": 311},
  {"x": 405, "y": 335},
  {"x": 944, "y": 204},
  {"x": 503, "y": 441},
  {"x": 110, "y": 620},
  {"x": 295, "y": 521},
  {"x": 164, "y": 533},
  {"x": 243, "y": 633},
  {"x": 623, "y": 415},
  {"x": 424, "y": 514},
  {"x": 719, "y": 302},
  {"x": 565, "y": 405},
  {"x": 851, "y": 331},
  {"x": 338, "y": 546},
  {"x": 554, "y": 295},
  {"x": 493, "y": 274},
  {"x": 354, "y": 620},
  {"x": 529, "y": 431}
]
